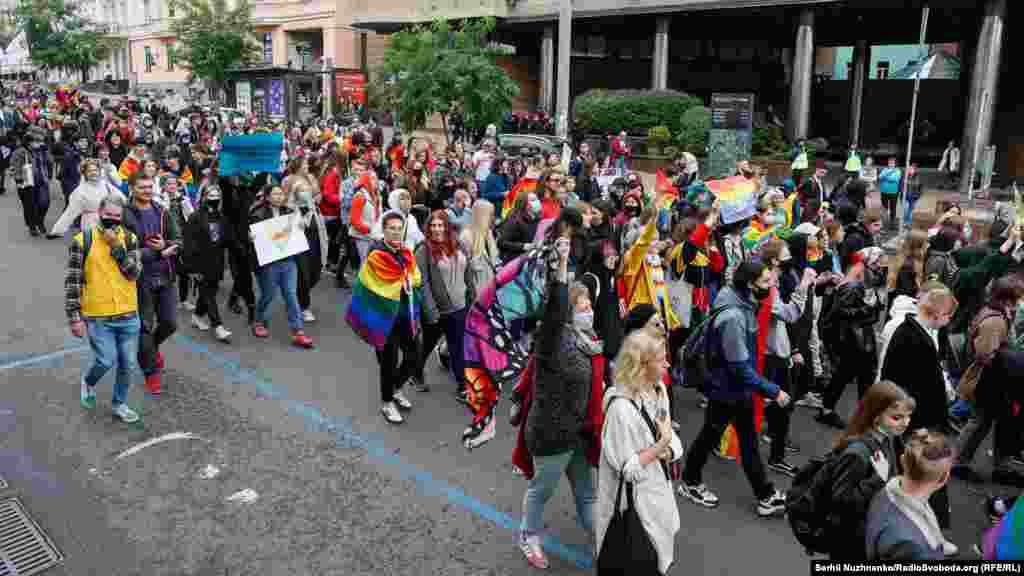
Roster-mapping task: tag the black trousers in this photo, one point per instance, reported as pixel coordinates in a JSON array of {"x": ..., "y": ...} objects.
[
  {"x": 891, "y": 203},
  {"x": 333, "y": 241},
  {"x": 158, "y": 312},
  {"x": 717, "y": 416},
  {"x": 393, "y": 375},
  {"x": 207, "y": 302},
  {"x": 776, "y": 417},
  {"x": 34, "y": 217},
  {"x": 184, "y": 286},
  {"x": 241, "y": 274},
  {"x": 849, "y": 367}
]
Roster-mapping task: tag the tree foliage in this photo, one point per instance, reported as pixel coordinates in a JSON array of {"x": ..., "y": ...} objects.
[
  {"x": 213, "y": 37},
  {"x": 637, "y": 111},
  {"x": 61, "y": 36},
  {"x": 429, "y": 68}
]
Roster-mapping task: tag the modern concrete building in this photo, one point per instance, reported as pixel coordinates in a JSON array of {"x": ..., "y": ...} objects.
[{"x": 767, "y": 47}]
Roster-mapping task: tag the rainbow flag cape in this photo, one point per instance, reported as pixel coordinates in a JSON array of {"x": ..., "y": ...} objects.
[
  {"x": 527, "y": 184},
  {"x": 730, "y": 445},
  {"x": 1005, "y": 541},
  {"x": 377, "y": 296},
  {"x": 737, "y": 196}
]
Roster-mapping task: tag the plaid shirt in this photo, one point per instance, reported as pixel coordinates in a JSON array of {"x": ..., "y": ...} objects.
[{"x": 129, "y": 261}]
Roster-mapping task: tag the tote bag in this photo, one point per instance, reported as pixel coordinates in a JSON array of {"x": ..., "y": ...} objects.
[{"x": 627, "y": 548}]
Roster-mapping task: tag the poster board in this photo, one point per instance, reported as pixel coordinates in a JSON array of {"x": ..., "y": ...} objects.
[
  {"x": 243, "y": 97},
  {"x": 731, "y": 135},
  {"x": 278, "y": 238},
  {"x": 350, "y": 86}
]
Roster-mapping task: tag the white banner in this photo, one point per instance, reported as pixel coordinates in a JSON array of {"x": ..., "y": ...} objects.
[
  {"x": 243, "y": 97},
  {"x": 278, "y": 238}
]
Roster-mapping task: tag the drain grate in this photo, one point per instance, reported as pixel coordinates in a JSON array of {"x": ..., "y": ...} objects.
[{"x": 24, "y": 548}]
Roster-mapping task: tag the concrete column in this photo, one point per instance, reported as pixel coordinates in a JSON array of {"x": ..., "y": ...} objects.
[
  {"x": 799, "y": 119},
  {"x": 547, "y": 69},
  {"x": 659, "y": 63},
  {"x": 983, "y": 90},
  {"x": 858, "y": 80},
  {"x": 279, "y": 46},
  {"x": 564, "y": 67}
]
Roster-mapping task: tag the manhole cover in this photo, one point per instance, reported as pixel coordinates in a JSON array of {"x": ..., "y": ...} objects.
[{"x": 24, "y": 548}]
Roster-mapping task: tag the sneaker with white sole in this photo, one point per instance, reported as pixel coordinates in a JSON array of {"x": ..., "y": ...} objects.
[
  {"x": 479, "y": 433},
  {"x": 391, "y": 414},
  {"x": 399, "y": 398},
  {"x": 88, "y": 395},
  {"x": 532, "y": 550},
  {"x": 200, "y": 323},
  {"x": 189, "y": 306},
  {"x": 949, "y": 549},
  {"x": 772, "y": 505},
  {"x": 810, "y": 400},
  {"x": 125, "y": 414},
  {"x": 307, "y": 316},
  {"x": 699, "y": 495},
  {"x": 783, "y": 467},
  {"x": 222, "y": 333}
]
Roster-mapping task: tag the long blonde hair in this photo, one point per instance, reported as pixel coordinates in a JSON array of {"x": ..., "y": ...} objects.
[
  {"x": 478, "y": 233},
  {"x": 638, "y": 350},
  {"x": 913, "y": 247}
]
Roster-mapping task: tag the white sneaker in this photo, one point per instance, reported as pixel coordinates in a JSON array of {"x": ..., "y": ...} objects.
[
  {"x": 200, "y": 323},
  {"x": 531, "y": 548},
  {"x": 307, "y": 316},
  {"x": 391, "y": 414},
  {"x": 223, "y": 334},
  {"x": 949, "y": 549},
  {"x": 125, "y": 414},
  {"x": 400, "y": 399},
  {"x": 189, "y": 305}
]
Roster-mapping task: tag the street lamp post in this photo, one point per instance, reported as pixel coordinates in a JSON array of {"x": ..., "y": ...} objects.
[{"x": 902, "y": 200}]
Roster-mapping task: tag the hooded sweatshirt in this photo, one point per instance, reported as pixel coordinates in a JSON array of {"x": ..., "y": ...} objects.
[
  {"x": 413, "y": 234},
  {"x": 902, "y": 306},
  {"x": 84, "y": 202}
]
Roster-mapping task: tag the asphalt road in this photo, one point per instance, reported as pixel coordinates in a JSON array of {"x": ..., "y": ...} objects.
[{"x": 339, "y": 491}]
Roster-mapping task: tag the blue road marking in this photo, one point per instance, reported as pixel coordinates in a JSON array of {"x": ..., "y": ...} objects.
[{"x": 347, "y": 436}]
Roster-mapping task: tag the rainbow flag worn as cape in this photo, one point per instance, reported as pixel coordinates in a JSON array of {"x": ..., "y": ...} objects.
[
  {"x": 527, "y": 184},
  {"x": 730, "y": 445},
  {"x": 1005, "y": 541},
  {"x": 377, "y": 295}
]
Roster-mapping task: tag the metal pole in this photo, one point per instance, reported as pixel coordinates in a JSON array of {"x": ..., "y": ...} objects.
[
  {"x": 902, "y": 200},
  {"x": 974, "y": 152},
  {"x": 564, "y": 67}
]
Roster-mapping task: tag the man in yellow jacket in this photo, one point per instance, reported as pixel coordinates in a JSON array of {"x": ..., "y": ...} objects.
[{"x": 101, "y": 300}]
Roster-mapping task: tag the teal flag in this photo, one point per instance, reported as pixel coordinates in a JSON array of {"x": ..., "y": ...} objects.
[{"x": 251, "y": 153}]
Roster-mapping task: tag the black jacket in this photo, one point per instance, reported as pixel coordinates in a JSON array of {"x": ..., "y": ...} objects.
[
  {"x": 913, "y": 362},
  {"x": 855, "y": 483},
  {"x": 515, "y": 233},
  {"x": 847, "y": 323},
  {"x": 856, "y": 238},
  {"x": 202, "y": 255}
]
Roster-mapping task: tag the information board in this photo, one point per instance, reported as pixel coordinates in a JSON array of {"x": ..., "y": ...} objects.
[
  {"x": 732, "y": 111},
  {"x": 730, "y": 138},
  {"x": 243, "y": 97}
]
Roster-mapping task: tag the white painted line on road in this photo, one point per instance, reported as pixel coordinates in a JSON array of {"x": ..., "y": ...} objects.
[
  {"x": 42, "y": 358},
  {"x": 154, "y": 441},
  {"x": 209, "y": 472},
  {"x": 247, "y": 496}
]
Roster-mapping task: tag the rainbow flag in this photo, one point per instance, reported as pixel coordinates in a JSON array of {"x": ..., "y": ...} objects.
[
  {"x": 377, "y": 296},
  {"x": 128, "y": 167},
  {"x": 737, "y": 197},
  {"x": 527, "y": 184},
  {"x": 1005, "y": 541},
  {"x": 729, "y": 445}
]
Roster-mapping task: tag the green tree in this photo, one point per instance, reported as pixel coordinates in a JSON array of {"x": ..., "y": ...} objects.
[
  {"x": 428, "y": 69},
  {"x": 212, "y": 38},
  {"x": 61, "y": 37}
]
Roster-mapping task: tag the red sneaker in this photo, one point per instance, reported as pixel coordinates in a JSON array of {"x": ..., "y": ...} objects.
[
  {"x": 159, "y": 365},
  {"x": 301, "y": 340},
  {"x": 153, "y": 384},
  {"x": 260, "y": 331}
]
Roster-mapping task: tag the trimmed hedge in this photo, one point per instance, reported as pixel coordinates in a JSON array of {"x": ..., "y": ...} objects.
[
  {"x": 692, "y": 136},
  {"x": 636, "y": 111}
]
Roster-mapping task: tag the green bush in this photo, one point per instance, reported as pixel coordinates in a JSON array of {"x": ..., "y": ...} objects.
[
  {"x": 658, "y": 137},
  {"x": 768, "y": 141},
  {"x": 637, "y": 111},
  {"x": 692, "y": 136},
  {"x": 671, "y": 152}
]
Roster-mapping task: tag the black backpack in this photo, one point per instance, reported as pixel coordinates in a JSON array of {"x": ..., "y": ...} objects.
[
  {"x": 698, "y": 352},
  {"x": 942, "y": 266},
  {"x": 808, "y": 502}
]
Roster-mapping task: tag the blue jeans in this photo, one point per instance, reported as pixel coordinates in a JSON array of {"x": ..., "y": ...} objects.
[
  {"x": 908, "y": 210},
  {"x": 547, "y": 471},
  {"x": 110, "y": 340},
  {"x": 282, "y": 274}
]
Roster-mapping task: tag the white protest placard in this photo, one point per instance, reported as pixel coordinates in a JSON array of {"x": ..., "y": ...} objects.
[{"x": 278, "y": 238}]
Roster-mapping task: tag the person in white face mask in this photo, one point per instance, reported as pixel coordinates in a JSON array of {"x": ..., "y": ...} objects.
[
  {"x": 84, "y": 200},
  {"x": 312, "y": 261}
]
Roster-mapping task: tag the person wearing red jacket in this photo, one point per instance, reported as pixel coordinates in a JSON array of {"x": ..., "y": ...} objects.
[
  {"x": 330, "y": 205},
  {"x": 366, "y": 209}
]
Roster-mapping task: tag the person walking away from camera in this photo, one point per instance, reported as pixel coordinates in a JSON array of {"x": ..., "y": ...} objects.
[
  {"x": 637, "y": 442},
  {"x": 734, "y": 380},
  {"x": 101, "y": 302},
  {"x": 158, "y": 303},
  {"x": 900, "y": 524}
]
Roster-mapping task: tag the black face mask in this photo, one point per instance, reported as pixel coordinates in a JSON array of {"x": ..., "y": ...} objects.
[
  {"x": 633, "y": 211},
  {"x": 213, "y": 205},
  {"x": 760, "y": 293},
  {"x": 109, "y": 223}
]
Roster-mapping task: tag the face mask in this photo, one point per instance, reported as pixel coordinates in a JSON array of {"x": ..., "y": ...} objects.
[
  {"x": 109, "y": 223},
  {"x": 91, "y": 177},
  {"x": 535, "y": 207},
  {"x": 583, "y": 320},
  {"x": 214, "y": 205},
  {"x": 633, "y": 211},
  {"x": 760, "y": 293},
  {"x": 885, "y": 430}
]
